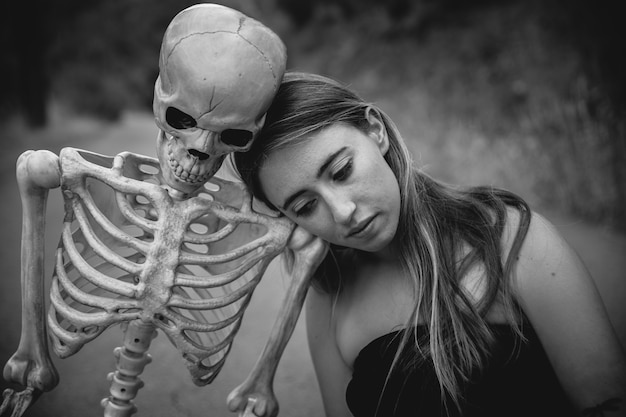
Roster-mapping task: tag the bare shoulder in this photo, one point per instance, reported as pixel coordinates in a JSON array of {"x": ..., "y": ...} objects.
[
  {"x": 544, "y": 258},
  {"x": 559, "y": 297},
  {"x": 548, "y": 273}
]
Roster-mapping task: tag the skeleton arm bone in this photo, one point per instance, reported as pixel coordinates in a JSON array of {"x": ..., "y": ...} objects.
[
  {"x": 256, "y": 394},
  {"x": 30, "y": 366}
]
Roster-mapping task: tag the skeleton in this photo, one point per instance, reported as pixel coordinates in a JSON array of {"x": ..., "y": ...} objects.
[{"x": 156, "y": 244}]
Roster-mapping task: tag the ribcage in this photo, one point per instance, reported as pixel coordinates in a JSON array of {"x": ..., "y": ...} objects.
[{"x": 130, "y": 251}]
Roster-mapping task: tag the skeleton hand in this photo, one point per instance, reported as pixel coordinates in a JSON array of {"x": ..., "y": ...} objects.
[
  {"x": 304, "y": 250},
  {"x": 303, "y": 255},
  {"x": 14, "y": 404}
]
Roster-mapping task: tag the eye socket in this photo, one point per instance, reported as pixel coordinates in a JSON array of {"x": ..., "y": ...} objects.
[
  {"x": 236, "y": 137},
  {"x": 178, "y": 119}
]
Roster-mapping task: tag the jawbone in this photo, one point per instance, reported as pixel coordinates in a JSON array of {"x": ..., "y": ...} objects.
[{"x": 182, "y": 171}]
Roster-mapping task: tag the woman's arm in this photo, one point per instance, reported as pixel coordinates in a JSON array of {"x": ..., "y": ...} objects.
[
  {"x": 559, "y": 297},
  {"x": 332, "y": 373}
]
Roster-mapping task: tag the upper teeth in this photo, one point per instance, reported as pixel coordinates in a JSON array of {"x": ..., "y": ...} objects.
[
  {"x": 186, "y": 175},
  {"x": 191, "y": 174}
]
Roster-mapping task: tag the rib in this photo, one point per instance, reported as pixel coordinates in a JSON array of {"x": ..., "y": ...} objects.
[
  {"x": 91, "y": 274},
  {"x": 194, "y": 281},
  {"x": 109, "y": 227},
  {"x": 100, "y": 249},
  {"x": 213, "y": 303},
  {"x": 107, "y": 304}
]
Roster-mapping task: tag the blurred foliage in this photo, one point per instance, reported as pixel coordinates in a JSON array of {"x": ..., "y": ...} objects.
[
  {"x": 105, "y": 55},
  {"x": 107, "y": 51},
  {"x": 536, "y": 86},
  {"x": 98, "y": 57}
]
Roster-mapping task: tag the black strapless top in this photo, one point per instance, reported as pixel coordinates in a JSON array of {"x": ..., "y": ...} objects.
[{"x": 517, "y": 381}]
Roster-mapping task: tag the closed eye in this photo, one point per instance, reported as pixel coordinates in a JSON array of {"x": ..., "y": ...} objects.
[
  {"x": 344, "y": 170},
  {"x": 303, "y": 210}
]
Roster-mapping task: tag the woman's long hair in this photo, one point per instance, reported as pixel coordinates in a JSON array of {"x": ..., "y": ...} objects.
[{"x": 438, "y": 224}]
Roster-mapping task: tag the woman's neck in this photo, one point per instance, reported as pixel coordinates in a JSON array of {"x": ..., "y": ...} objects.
[{"x": 389, "y": 254}]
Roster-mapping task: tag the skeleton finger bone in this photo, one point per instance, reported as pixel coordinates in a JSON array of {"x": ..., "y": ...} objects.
[
  {"x": 249, "y": 411},
  {"x": 308, "y": 253},
  {"x": 15, "y": 404}
]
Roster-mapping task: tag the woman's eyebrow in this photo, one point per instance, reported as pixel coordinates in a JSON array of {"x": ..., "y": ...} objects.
[{"x": 329, "y": 160}]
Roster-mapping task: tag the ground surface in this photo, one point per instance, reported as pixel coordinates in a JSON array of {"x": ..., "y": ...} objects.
[{"x": 169, "y": 390}]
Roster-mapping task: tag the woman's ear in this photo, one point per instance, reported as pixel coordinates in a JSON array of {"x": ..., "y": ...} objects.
[{"x": 376, "y": 129}]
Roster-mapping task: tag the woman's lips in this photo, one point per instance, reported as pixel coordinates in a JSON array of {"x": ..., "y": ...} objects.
[{"x": 362, "y": 227}]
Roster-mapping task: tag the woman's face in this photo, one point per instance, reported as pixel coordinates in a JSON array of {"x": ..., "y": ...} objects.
[{"x": 337, "y": 185}]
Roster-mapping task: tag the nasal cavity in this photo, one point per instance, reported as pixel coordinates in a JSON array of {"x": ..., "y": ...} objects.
[{"x": 200, "y": 155}]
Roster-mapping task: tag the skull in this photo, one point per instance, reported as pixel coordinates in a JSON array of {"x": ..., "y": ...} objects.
[{"x": 218, "y": 73}]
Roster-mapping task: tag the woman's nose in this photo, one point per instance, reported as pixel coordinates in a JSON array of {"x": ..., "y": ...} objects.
[{"x": 342, "y": 209}]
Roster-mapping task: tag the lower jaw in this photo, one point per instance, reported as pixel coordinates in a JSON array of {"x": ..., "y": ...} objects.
[{"x": 180, "y": 185}]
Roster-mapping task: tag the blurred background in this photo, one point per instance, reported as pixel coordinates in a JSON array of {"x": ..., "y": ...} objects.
[{"x": 527, "y": 95}]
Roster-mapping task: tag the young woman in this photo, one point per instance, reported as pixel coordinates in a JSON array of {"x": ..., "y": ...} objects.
[{"x": 432, "y": 300}]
